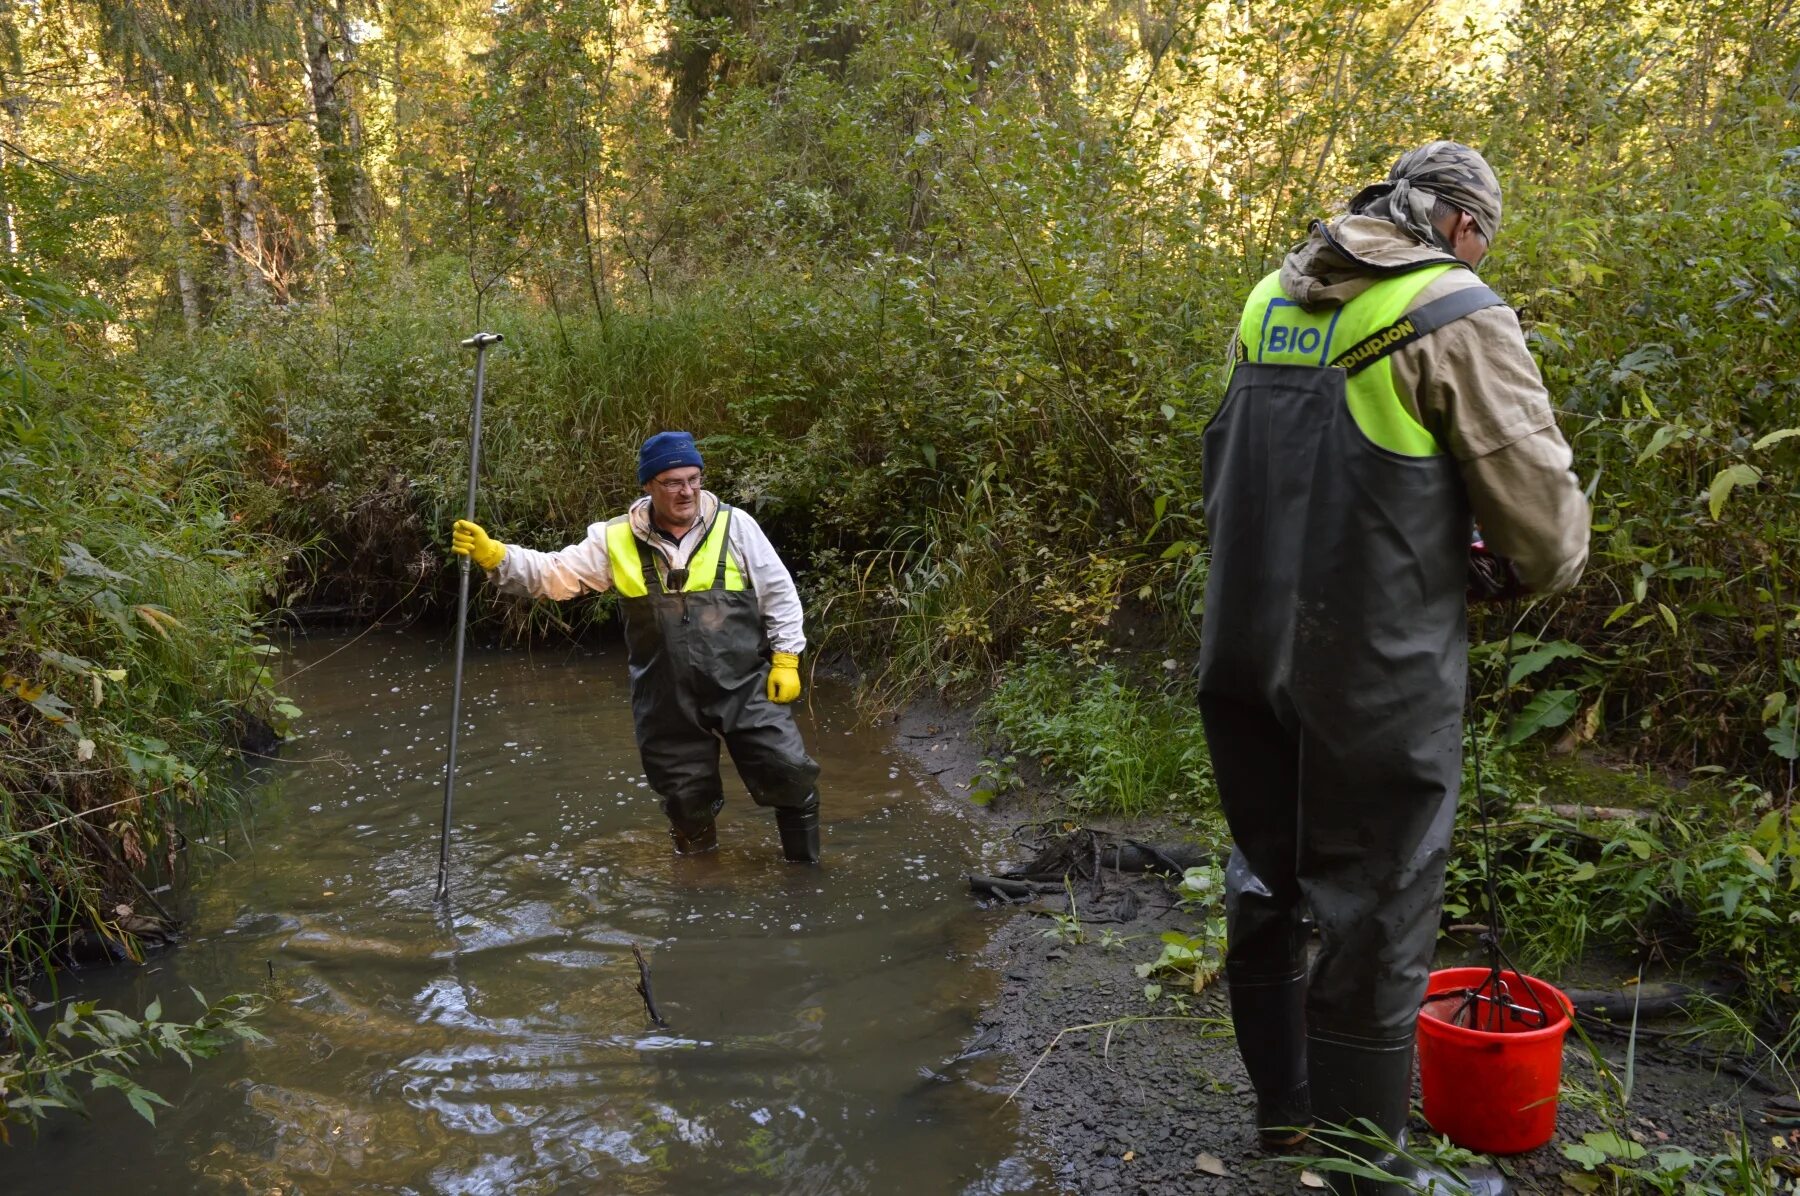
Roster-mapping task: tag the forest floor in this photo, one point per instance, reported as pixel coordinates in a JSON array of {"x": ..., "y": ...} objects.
[{"x": 1163, "y": 1106}]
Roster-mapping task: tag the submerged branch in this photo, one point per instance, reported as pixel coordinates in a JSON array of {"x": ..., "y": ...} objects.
[{"x": 644, "y": 990}]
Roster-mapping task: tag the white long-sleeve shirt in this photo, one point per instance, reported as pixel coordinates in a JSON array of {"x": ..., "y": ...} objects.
[{"x": 585, "y": 568}]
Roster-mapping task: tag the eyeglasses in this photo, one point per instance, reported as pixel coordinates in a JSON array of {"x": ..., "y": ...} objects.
[{"x": 677, "y": 485}]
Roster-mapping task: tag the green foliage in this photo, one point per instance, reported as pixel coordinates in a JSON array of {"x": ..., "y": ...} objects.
[
  {"x": 128, "y": 652},
  {"x": 40, "y": 1065},
  {"x": 1348, "y": 1149},
  {"x": 1119, "y": 748},
  {"x": 1691, "y": 585},
  {"x": 1686, "y": 883},
  {"x": 1067, "y": 928},
  {"x": 1613, "y": 1160},
  {"x": 947, "y": 294},
  {"x": 1195, "y": 958}
]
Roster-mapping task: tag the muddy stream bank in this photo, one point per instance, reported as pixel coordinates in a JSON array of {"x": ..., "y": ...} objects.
[{"x": 1153, "y": 1099}]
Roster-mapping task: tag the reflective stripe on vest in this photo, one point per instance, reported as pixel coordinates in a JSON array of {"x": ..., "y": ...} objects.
[
  {"x": 1275, "y": 330},
  {"x": 703, "y": 566}
]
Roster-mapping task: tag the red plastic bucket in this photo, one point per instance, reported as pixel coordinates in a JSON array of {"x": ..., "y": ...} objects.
[{"x": 1492, "y": 1090}]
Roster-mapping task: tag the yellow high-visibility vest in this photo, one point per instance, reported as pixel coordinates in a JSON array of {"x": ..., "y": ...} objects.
[
  {"x": 703, "y": 567},
  {"x": 1275, "y": 330}
]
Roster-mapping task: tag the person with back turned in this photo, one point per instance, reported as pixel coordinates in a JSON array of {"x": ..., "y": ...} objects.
[
  {"x": 1383, "y": 404},
  {"x": 713, "y": 634}
]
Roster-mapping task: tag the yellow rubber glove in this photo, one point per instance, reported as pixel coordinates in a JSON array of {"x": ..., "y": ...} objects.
[
  {"x": 467, "y": 539},
  {"x": 784, "y": 677}
]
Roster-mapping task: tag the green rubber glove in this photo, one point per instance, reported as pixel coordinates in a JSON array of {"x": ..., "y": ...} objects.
[
  {"x": 784, "y": 677},
  {"x": 467, "y": 539}
]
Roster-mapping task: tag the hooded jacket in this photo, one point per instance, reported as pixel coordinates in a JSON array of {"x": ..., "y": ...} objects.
[
  {"x": 1474, "y": 386},
  {"x": 585, "y": 567}
]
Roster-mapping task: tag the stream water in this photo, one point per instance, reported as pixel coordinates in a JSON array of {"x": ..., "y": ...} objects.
[{"x": 503, "y": 1047}]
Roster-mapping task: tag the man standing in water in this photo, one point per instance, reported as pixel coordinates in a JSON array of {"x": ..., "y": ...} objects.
[
  {"x": 1382, "y": 398},
  {"x": 713, "y": 634}
]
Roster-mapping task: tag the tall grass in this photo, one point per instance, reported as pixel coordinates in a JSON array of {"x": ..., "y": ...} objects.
[
  {"x": 1117, "y": 747},
  {"x": 129, "y": 656}
]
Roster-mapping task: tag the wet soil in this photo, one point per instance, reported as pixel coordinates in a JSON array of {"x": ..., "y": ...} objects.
[{"x": 1137, "y": 1105}]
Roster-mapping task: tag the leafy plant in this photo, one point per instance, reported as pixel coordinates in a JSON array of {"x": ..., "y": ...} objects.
[
  {"x": 131, "y": 658},
  {"x": 1121, "y": 749},
  {"x": 994, "y": 778},
  {"x": 1194, "y": 958},
  {"x": 40, "y": 1072},
  {"x": 1612, "y": 1163},
  {"x": 1066, "y": 927},
  {"x": 1357, "y": 1150}
]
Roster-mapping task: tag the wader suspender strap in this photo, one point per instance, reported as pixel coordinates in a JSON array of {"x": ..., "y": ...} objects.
[
  {"x": 1413, "y": 325},
  {"x": 653, "y": 582}
]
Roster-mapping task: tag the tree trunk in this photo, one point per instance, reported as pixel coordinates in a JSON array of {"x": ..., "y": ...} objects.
[
  {"x": 401, "y": 159},
  {"x": 12, "y": 75},
  {"x": 9, "y": 229},
  {"x": 323, "y": 227},
  {"x": 252, "y": 252},
  {"x": 348, "y": 85},
  {"x": 695, "y": 54},
  {"x": 228, "y": 225},
  {"x": 176, "y": 210},
  {"x": 338, "y": 163},
  {"x": 250, "y": 244},
  {"x": 590, "y": 253},
  {"x": 185, "y": 286}
]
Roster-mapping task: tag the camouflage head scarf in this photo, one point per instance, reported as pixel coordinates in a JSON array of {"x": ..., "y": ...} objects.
[{"x": 1444, "y": 170}]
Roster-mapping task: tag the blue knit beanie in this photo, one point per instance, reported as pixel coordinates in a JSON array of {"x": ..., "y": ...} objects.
[{"x": 666, "y": 450}]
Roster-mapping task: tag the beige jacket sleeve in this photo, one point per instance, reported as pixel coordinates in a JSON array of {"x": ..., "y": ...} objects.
[{"x": 1474, "y": 386}]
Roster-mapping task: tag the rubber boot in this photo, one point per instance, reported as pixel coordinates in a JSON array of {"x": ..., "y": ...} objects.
[
  {"x": 696, "y": 838},
  {"x": 799, "y": 827},
  {"x": 1269, "y": 1018},
  {"x": 1373, "y": 1083}
]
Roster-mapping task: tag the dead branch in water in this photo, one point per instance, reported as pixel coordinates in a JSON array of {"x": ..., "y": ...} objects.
[{"x": 644, "y": 990}]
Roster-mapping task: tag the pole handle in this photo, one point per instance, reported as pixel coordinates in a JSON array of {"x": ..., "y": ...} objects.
[{"x": 479, "y": 342}]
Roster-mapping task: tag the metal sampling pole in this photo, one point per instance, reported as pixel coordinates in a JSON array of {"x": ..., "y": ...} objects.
[{"x": 479, "y": 342}]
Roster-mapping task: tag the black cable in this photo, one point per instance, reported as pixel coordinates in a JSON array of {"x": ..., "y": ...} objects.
[
  {"x": 1496, "y": 931},
  {"x": 1500, "y": 1001}
]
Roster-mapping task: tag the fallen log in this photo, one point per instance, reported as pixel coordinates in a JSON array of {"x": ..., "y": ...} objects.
[
  {"x": 1579, "y": 813},
  {"x": 1083, "y": 852},
  {"x": 1653, "y": 998},
  {"x": 1010, "y": 888},
  {"x": 1129, "y": 855}
]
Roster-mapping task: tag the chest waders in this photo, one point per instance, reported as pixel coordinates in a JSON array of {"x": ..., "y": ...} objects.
[
  {"x": 699, "y": 660},
  {"x": 1332, "y": 673}
]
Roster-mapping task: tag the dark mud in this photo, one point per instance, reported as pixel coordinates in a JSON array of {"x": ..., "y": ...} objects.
[{"x": 1133, "y": 1105}]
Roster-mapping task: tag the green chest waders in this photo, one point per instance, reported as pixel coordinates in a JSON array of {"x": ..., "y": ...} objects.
[
  {"x": 1332, "y": 673},
  {"x": 699, "y": 659}
]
